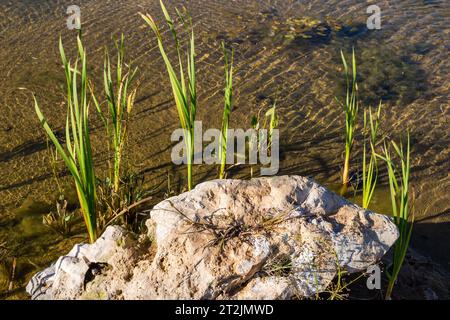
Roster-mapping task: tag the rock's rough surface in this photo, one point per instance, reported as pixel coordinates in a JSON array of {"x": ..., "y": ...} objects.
[
  {"x": 266, "y": 238},
  {"x": 81, "y": 274}
]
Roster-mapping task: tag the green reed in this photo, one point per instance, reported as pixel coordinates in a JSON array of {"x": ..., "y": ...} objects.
[
  {"x": 185, "y": 96},
  {"x": 228, "y": 106},
  {"x": 370, "y": 169},
  {"x": 120, "y": 101},
  {"x": 351, "y": 107},
  {"x": 270, "y": 123},
  {"x": 399, "y": 189},
  {"x": 78, "y": 154},
  {"x": 272, "y": 118}
]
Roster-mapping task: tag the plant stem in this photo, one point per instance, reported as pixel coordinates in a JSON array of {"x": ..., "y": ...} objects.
[{"x": 345, "y": 174}]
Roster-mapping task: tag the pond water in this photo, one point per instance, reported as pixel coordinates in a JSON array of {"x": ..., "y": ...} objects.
[{"x": 285, "y": 50}]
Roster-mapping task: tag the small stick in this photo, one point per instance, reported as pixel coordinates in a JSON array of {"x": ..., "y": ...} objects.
[
  {"x": 12, "y": 275},
  {"x": 128, "y": 209}
]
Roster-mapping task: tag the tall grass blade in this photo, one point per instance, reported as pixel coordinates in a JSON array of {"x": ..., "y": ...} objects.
[
  {"x": 78, "y": 153},
  {"x": 399, "y": 189},
  {"x": 120, "y": 101},
  {"x": 370, "y": 169},
  {"x": 185, "y": 96},
  {"x": 228, "y": 107}
]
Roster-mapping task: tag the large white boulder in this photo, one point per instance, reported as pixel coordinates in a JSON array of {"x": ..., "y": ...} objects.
[{"x": 266, "y": 238}]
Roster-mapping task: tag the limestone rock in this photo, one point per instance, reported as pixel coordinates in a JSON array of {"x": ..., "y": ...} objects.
[
  {"x": 266, "y": 238},
  {"x": 71, "y": 275}
]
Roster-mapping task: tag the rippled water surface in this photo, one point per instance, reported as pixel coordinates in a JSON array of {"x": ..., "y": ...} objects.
[{"x": 406, "y": 64}]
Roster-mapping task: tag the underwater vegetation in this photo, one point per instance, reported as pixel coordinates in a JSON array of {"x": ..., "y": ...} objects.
[
  {"x": 99, "y": 200},
  {"x": 306, "y": 31},
  {"x": 307, "y": 28},
  {"x": 61, "y": 220},
  {"x": 120, "y": 207},
  {"x": 383, "y": 74},
  {"x": 387, "y": 76}
]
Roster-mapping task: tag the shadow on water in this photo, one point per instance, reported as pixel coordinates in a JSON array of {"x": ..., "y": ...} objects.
[
  {"x": 30, "y": 147},
  {"x": 432, "y": 239}
]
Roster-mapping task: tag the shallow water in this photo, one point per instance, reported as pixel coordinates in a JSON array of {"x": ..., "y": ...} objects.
[{"x": 405, "y": 63}]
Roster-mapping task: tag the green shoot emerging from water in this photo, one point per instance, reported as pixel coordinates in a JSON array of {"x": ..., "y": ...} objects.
[
  {"x": 270, "y": 123},
  {"x": 228, "y": 106},
  {"x": 351, "y": 111},
  {"x": 185, "y": 95},
  {"x": 62, "y": 220},
  {"x": 78, "y": 154},
  {"x": 120, "y": 101},
  {"x": 271, "y": 114},
  {"x": 370, "y": 170},
  {"x": 399, "y": 187}
]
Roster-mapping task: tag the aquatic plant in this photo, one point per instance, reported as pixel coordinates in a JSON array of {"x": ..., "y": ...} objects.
[
  {"x": 185, "y": 96},
  {"x": 120, "y": 100},
  {"x": 270, "y": 123},
  {"x": 62, "y": 220},
  {"x": 370, "y": 169},
  {"x": 228, "y": 106},
  {"x": 399, "y": 189},
  {"x": 170, "y": 192},
  {"x": 306, "y": 28},
  {"x": 272, "y": 118},
  {"x": 111, "y": 203},
  {"x": 350, "y": 106},
  {"x": 77, "y": 154}
]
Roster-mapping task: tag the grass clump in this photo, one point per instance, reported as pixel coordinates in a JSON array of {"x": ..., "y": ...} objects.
[
  {"x": 399, "y": 189},
  {"x": 120, "y": 188},
  {"x": 351, "y": 107},
  {"x": 77, "y": 154},
  {"x": 185, "y": 95},
  {"x": 280, "y": 266},
  {"x": 119, "y": 207},
  {"x": 120, "y": 101},
  {"x": 370, "y": 168},
  {"x": 270, "y": 123}
]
